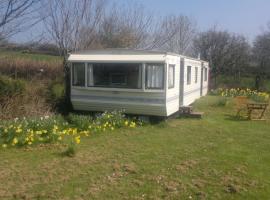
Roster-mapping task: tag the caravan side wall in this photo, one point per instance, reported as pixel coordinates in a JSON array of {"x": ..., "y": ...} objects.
[
  {"x": 205, "y": 79},
  {"x": 192, "y": 81},
  {"x": 144, "y": 103},
  {"x": 172, "y": 93}
]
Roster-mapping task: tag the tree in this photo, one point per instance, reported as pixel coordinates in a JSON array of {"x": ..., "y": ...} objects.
[
  {"x": 261, "y": 52},
  {"x": 227, "y": 54},
  {"x": 182, "y": 30},
  {"x": 64, "y": 20},
  {"x": 17, "y": 15},
  {"x": 125, "y": 27}
]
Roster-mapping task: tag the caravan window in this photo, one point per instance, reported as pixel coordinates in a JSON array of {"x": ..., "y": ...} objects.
[
  {"x": 205, "y": 74},
  {"x": 154, "y": 76},
  {"x": 171, "y": 76},
  {"x": 196, "y": 74},
  {"x": 78, "y": 74},
  {"x": 188, "y": 75},
  {"x": 114, "y": 75}
]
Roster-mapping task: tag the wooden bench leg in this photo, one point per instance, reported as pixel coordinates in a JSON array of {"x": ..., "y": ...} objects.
[
  {"x": 262, "y": 114},
  {"x": 249, "y": 113}
]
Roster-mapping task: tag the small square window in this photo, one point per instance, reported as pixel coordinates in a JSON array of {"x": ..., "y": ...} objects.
[
  {"x": 171, "y": 78},
  {"x": 196, "y": 74},
  {"x": 205, "y": 74},
  {"x": 188, "y": 75}
]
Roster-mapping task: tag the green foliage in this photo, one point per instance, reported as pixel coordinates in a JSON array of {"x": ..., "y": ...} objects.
[
  {"x": 56, "y": 91},
  {"x": 56, "y": 129},
  {"x": 70, "y": 151},
  {"x": 222, "y": 101},
  {"x": 9, "y": 87}
]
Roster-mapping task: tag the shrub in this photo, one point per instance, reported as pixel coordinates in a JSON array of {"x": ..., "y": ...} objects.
[
  {"x": 9, "y": 87},
  {"x": 28, "y": 68}
]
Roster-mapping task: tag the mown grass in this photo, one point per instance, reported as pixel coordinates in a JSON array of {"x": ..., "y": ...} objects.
[{"x": 216, "y": 157}]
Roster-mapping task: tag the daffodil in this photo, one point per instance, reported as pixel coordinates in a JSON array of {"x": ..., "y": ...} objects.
[
  {"x": 77, "y": 139},
  {"x": 15, "y": 141}
]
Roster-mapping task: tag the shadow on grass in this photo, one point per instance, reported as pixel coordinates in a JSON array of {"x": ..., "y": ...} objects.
[{"x": 231, "y": 117}]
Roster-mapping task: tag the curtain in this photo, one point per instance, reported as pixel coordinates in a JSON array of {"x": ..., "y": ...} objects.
[
  {"x": 90, "y": 77},
  {"x": 154, "y": 76}
]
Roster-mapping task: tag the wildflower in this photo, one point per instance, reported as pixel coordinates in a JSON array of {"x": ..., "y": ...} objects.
[
  {"x": 38, "y": 132},
  {"x": 126, "y": 123},
  {"x": 132, "y": 125},
  {"x": 77, "y": 139},
  {"x": 18, "y": 130},
  {"x": 15, "y": 141},
  {"x": 59, "y": 138},
  {"x": 4, "y": 145}
]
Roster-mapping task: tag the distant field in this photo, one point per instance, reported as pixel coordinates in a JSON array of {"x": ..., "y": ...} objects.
[{"x": 31, "y": 56}]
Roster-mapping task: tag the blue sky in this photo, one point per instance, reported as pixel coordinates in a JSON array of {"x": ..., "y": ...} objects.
[{"x": 247, "y": 17}]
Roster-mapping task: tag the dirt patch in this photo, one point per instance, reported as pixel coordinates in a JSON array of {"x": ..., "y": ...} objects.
[{"x": 186, "y": 165}]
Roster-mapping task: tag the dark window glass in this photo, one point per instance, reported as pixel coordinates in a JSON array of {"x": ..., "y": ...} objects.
[
  {"x": 115, "y": 75},
  {"x": 188, "y": 75}
]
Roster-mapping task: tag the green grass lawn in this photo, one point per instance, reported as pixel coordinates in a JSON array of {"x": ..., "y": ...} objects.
[{"x": 216, "y": 157}]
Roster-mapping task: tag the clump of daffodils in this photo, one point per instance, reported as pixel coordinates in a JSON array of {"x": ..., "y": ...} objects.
[
  {"x": 252, "y": 94},
  {"x": 27, "y": 132}
]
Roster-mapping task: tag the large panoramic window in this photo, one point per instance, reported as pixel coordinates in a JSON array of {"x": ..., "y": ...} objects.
[
  {"x": 171, "y": 76},
  {"x": 78, "y": 74},
  {"x": 188, "y": 75},
  {"x": 154, "y": 76},
  {"x": 114, "y": 75}
]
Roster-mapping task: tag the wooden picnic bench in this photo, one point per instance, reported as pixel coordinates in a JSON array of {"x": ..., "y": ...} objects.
[
  {"x": 244, "y": 104},
  {"x": 256, "y": 106}
]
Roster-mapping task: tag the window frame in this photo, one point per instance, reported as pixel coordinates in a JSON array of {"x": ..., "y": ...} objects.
[
  {"x": 189, "y": 75},
  {"x": 173, "y": 85},
  {"x": 72, "y": 74},
  {"x": 162, "y": 65}
]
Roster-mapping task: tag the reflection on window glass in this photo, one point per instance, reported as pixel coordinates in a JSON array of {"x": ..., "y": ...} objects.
[
  {"x": 115, "y": 75},
  {"x": 154, "y": 76},
  {"x": 78, "y": 74}
]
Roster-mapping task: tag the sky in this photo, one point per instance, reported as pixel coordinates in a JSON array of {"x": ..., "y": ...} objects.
[{"x": 247, "y": 17}]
